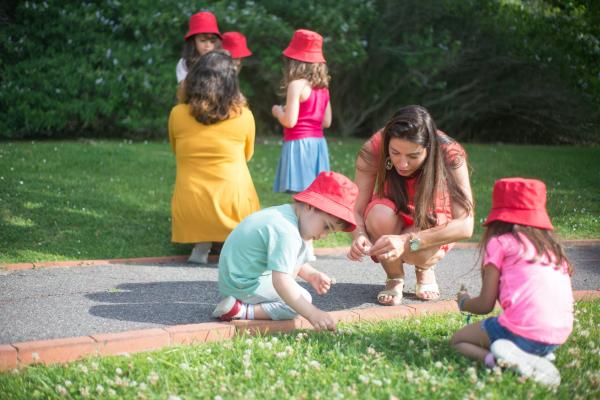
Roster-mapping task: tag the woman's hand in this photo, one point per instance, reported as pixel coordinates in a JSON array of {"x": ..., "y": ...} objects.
[
  {"x": 320, "y": 282},
  {"x": 390, "y": 247},
  {"x": 360, "y": 247}
]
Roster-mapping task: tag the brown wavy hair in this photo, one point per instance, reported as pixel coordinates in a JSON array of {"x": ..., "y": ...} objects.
[
  {"x": 316, "y": 74},
  {"x": 212, "y": 90},
  {"x": 414, "y": 124},
  {"x": 544, "y": 242}
]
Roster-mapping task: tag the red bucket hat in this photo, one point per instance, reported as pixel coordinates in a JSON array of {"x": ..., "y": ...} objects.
[
  {"x": 520, "y": 201},
  {"x": 334, "y": 194},
  {"x": 235, "y": 44},
  {"x": 305, "y": 46},
  {"x": 203, "y": 22}
]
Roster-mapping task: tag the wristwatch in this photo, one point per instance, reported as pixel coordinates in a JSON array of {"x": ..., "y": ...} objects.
[{"x": 414, "y": 243}]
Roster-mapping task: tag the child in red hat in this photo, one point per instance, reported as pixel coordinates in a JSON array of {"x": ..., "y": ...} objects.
[
  {"x": 235, "y": 44},
  {"x": 267, "y": 250},
  {"x": 526, "y": 269},
  {"x": 306, "y": 112},
  {"x": 203, "y": 36}
]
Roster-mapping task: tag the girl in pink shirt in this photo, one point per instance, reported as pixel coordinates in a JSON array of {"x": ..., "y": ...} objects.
[{"x": 526, "y": 269}]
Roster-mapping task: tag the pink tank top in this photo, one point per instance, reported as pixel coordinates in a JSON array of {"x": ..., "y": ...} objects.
[{"x": 310, "y": 117}]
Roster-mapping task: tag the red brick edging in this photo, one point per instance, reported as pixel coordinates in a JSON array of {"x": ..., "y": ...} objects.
[
  {"x": 183, "y": 258},
  {"x": 53, "y": 351}
]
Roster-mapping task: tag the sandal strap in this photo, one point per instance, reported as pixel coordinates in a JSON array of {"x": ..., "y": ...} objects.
[{"x": 399, "y": 280}]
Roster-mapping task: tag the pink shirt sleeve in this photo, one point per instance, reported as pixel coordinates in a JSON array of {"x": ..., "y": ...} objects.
[{"x": 494, "y": 253}]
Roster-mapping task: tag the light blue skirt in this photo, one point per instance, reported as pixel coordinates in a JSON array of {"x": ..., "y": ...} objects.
[{"x": 300, "y": 162}]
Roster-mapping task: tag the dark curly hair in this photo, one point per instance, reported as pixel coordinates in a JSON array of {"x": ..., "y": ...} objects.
[{"x": 211, "y": 88}]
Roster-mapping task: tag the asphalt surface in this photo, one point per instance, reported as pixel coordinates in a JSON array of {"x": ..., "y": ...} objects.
[{"x": 50, "y": 303}]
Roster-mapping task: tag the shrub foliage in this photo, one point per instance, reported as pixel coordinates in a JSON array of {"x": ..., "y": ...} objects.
[{"x": 489, "y": 70}]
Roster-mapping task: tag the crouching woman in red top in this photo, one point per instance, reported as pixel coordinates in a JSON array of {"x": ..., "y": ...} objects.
[{"x": 414, "y": 201}]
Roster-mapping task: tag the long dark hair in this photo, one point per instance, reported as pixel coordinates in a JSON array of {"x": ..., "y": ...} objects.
[
  {"x": 190, "y": 54},
  {"x": 211, "y": 88},
  {"x": 414, "y": 124},
  {"x": 543, "y": 241}
]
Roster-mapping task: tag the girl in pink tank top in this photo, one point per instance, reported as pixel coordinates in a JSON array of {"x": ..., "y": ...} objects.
[{"x": 306, "y": 112}]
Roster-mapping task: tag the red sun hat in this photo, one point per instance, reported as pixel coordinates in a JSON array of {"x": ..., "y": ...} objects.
[
  {"x": 235, "y": 44},
  {"x": 306, "y": 46},
  {"x": 520, "y": 201},
  {"x": 203, "y": 22},
  {"x": 334, "y": 194}
]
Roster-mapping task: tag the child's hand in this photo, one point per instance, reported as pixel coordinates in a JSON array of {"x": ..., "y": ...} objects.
[
  {"x": 322, "y": 320},
  {"x": 462, "y": 294},
  {"x": 277, "y": 110},
  {"x": 360, "y": 247},
  {"x": 320, "y": 282}
]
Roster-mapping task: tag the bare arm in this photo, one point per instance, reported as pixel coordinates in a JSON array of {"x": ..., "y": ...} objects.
[
  {"x": 287, "y": 289},
  {"x": 327, "y": 117},
  {"x": 461, "y": 226},
  {"x": 288, "y": 116},
  {"x": 484, "y": 303},
  {"x": 249, "y": 148}
]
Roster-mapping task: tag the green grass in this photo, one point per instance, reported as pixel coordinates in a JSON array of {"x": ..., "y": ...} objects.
[
  {"x": 393, "y": 359},
  {"x": 108, "y": 199}
]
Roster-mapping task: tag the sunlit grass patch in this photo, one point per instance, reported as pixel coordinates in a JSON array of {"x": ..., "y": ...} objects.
[{"x": 391, "y": 359}]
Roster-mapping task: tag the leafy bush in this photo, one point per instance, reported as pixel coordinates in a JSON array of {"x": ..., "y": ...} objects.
[{"x": 521, "y": 71}]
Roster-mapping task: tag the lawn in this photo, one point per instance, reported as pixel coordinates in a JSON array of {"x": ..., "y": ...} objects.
[
  {"x": 387, "y": 360},
  {"x": 88, "y": 199}
]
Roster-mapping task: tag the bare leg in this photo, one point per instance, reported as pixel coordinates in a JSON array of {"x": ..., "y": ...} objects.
[
  {"x": 380, "y": 221},
  {"x": 472, "y": 342}
]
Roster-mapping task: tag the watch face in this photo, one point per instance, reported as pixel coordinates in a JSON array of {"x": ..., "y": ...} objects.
[{"x": 415, "y": 244}]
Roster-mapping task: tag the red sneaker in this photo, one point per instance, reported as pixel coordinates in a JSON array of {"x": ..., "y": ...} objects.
[{"x": 228, "y": 309}]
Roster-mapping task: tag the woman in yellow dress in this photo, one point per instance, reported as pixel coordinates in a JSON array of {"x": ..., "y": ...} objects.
[{"x": 212, "y": 135}]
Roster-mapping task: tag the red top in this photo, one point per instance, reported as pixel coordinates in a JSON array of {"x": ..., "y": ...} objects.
[
  {"x": 454, "y": 156},
  {"x": 310, "y": 116}
]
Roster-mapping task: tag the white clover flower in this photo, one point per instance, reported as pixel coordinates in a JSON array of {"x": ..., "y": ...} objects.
[
  {"x": 363, "y": 378},
  {"x": 248, "y": 341},
  {"x": 83, "y": 368},
  {"x": 274, "y": 339},
  {"x": 371, "y": 350},
  {"x": 112, "y": 392},
  {"x": 94, "y": 366},
  {"x": 377, "y": 382},
  {"x": 184, "y": 366},
  {"x": 293, "y": 373},
  {"x": 61, "y": 390},
  {"x": 281, "y": 354},
  {"x": 248, "y": 373},
  {"x": 438, "y": 364},
  {"x": 119, "y": 371},
  {"x": 99, "y": 389},
  {"x": 143, "y": 386},
  {"x": 68, "y": 383},
  {"x": 153, "y": 378},
  {"x": 84, "y": 391},
  {"x": 173, "y": 397},
  {"x": 314, "y": 364}
]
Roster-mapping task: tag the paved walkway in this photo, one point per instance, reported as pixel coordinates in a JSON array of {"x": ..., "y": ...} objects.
[{"x": 51, "y": 303}]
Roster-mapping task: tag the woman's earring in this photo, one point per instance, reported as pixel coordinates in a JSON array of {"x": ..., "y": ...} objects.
[{"x": 388, "y": 164}]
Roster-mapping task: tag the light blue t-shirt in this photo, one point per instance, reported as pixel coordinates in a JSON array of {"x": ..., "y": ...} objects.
[{"x": 265, "y": 241}]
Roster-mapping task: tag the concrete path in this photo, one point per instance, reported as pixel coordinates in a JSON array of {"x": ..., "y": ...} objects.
[{"x": 51, "y": 303}]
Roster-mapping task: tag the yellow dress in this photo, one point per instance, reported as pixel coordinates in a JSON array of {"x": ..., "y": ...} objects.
[{"x": 213, "y": 187}]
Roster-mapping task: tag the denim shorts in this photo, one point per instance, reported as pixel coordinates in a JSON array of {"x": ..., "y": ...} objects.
[{"x": 496, "y": 331}]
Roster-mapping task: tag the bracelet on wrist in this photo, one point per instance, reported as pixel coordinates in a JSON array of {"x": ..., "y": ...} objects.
[{"x": 461, "y": 303}]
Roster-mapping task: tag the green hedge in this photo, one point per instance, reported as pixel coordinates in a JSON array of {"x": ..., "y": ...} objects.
[{"x": 489, "y": 70}]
